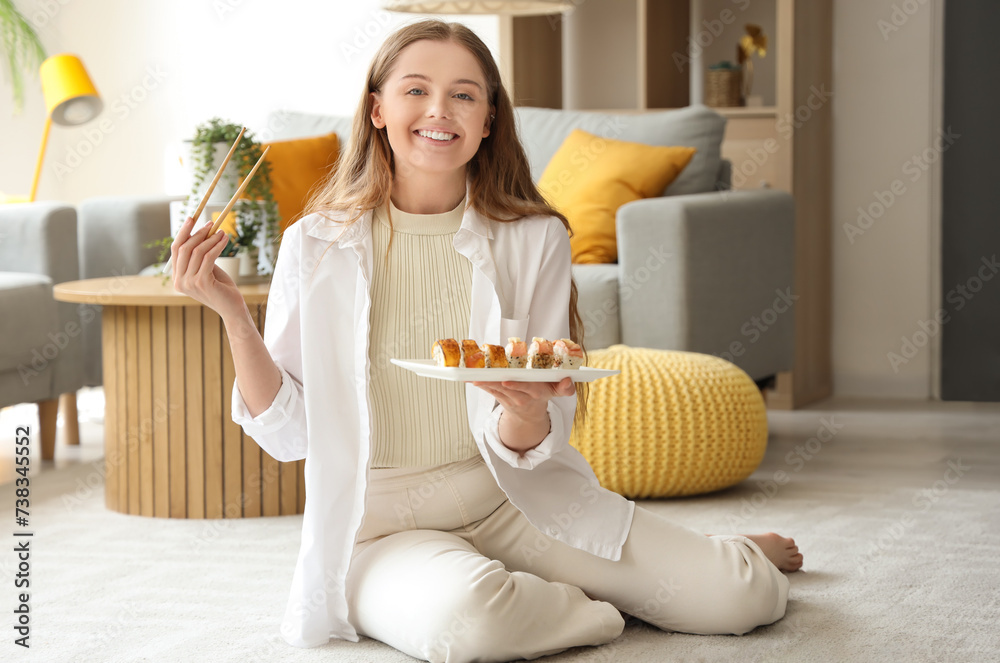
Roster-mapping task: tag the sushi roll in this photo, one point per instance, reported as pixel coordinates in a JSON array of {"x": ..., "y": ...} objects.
[
  {"x": 540, "y": 354},
  {"x": 568, "y": 354},
  {"x": 517, "y": 352},
  {"x": 494, "y": 356},
  {"x": 472, "y": 356},
  {"x": 447, "y": 352}
]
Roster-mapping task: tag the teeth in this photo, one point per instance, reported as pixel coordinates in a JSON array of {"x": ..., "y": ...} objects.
[{"x": 436, "y": 135}]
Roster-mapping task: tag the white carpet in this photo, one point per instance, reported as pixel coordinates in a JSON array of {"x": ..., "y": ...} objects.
[{"x": 900, "y": 566}]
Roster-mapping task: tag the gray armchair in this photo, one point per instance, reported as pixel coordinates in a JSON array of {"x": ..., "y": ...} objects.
[
  {"x": 705, "y": 272},
  {"x": 41, "y": 348}
]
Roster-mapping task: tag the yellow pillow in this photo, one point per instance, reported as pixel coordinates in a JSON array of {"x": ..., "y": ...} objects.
[
  {"x": 296, "y": 167},
  {"x": 590, "y": 177}
]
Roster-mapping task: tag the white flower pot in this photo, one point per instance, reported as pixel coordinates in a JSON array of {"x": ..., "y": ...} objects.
[
  {"x": 228, "y": 183},
  {"x": 230, "y": 265},
  {"x": 248, "y": 263}
]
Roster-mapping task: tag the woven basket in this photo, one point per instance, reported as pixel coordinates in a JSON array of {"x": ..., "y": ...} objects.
[
  {"x": 723, "y": 88},
  {"x": 672, "y": 424}
]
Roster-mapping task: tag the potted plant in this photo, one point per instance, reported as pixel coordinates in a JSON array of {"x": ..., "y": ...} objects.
[
  {"x": 22, "y": 49},
  {"x": 256, "y": 209}
]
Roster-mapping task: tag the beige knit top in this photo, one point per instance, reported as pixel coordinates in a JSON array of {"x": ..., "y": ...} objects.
[{"x": 422, "y": 293}]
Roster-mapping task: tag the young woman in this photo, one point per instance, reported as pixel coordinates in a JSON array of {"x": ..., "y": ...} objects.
[{"x": 452, "y": 521}]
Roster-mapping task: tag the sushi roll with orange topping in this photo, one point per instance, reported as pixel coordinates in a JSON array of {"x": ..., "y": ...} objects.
[
  {"x": 446, "y": 352},
  {"x": 568, "y": 354},
  {"x": 517, "y": 352},
  {"x": 472, "y": 356},
  {"x": 494, "y": 356},
  {"x": 540, "y": 354}
]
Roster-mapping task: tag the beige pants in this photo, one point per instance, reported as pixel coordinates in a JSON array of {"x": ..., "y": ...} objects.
[{"x": 446, "y": 569}]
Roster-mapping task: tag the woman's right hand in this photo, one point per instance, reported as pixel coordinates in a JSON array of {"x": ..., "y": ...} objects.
[{"x": 195, "y": 274}]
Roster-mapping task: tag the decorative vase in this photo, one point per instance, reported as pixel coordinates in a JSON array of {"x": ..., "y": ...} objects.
[{"x": 230, "y": 265}]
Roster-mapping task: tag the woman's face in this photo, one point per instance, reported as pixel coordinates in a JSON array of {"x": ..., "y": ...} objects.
[{"x": 435, "y": 107}]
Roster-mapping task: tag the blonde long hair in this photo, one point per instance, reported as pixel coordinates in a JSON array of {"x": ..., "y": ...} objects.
[{"x": 500, "y": 184}]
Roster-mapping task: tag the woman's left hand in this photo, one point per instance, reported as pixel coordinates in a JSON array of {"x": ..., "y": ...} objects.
[{"x": 525, "y": 420}]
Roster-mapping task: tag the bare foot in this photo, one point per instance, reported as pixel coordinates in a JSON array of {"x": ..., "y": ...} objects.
[{"x": 781, "y": 550}]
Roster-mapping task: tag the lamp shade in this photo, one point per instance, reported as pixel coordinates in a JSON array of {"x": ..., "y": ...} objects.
[
  {"x": 70, "y": 95},
  {"x": 506, "y": 7}
]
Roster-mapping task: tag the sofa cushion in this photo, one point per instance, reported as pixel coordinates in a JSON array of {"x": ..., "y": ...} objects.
[
  {"x": 590, "y": 177},
  {"x": 543, "y": 130},
  {"x": 297, "y": 166}
]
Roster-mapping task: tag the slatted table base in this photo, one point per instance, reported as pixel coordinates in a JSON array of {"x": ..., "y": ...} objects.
[{"x": 171, "y": 447}]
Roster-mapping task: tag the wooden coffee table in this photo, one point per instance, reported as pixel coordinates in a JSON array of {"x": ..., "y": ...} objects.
[{"x": 171, "y": 447}]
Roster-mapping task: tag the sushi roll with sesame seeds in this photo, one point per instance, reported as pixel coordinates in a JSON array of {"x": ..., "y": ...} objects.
[
  {"x": 517, "y": 352},
  {"x": 568, "y": 354},
  {"x": 540, "y": 354}
]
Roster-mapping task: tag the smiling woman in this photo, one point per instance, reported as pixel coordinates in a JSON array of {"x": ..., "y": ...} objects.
[
  {"x": 435, "y": 122},
  {"x": 431, "y": 227}
]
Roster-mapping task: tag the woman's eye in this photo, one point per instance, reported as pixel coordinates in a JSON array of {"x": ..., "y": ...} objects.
[
  {"x": 417, "y": 90},
  {"x": 463, "y": 95}
]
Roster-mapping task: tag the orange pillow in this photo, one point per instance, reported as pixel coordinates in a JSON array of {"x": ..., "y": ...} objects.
[
  {"x": 590, "y": 177},
  {"x": 297, "y": 166}
]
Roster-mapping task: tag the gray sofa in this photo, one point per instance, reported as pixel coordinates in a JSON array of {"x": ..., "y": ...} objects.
[
  {"x": 40, "y": 339},
  {"x": 700, "y": 268}
]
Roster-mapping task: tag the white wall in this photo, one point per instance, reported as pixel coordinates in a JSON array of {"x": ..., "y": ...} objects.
[
  {"x": 165, "y": 66},
  {"x": 249, "y": 58},
  {"x": 883, "y": 113}
]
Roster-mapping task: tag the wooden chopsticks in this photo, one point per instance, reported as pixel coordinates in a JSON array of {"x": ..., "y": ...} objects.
[
  {"x": 239, "y": 192},
  {"x": 218, "y": 176}
]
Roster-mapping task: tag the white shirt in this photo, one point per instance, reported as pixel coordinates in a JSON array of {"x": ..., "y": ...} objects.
[{"x": 317, "y": 333}]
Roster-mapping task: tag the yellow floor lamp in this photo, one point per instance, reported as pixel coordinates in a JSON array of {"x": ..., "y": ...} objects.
[{"x": 70, "y": 99}]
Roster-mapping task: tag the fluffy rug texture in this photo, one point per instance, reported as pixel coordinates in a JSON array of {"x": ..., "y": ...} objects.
[{"x": 900, "y": 532}]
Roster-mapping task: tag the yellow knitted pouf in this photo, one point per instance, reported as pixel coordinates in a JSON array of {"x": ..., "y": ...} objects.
[{"x": 671, "y": 424}]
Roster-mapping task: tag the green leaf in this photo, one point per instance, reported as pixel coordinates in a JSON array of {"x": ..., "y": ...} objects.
[{"x": 21, "y": 48}]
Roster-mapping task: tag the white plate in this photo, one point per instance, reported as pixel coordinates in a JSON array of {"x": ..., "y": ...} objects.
[{"x": 428, "y": 369}]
